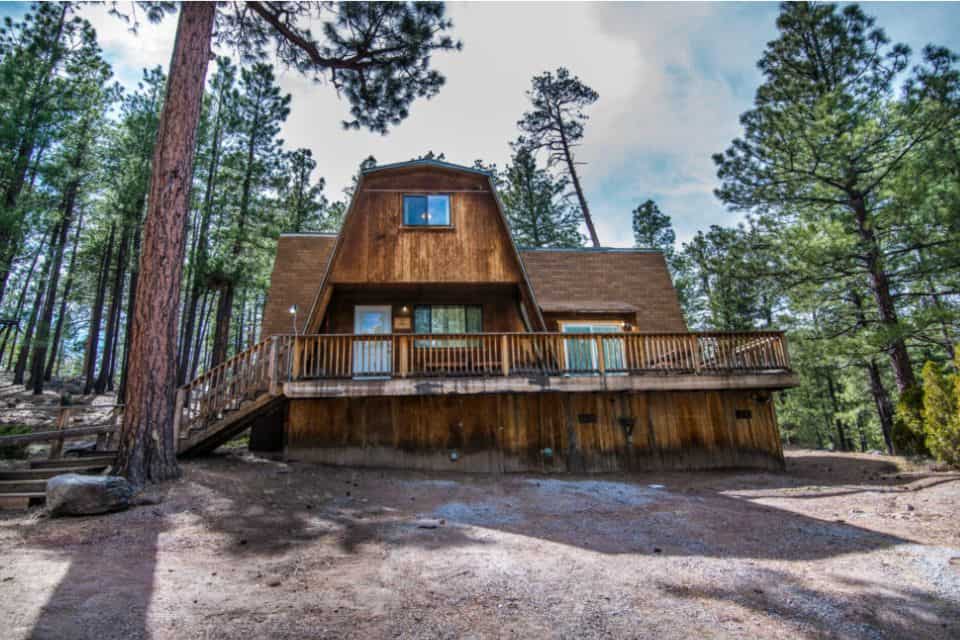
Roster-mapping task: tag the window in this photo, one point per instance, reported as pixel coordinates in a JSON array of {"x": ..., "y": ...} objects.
[
  {"x": 426, "y": 210},
  {"x": 447, "y": 319}
]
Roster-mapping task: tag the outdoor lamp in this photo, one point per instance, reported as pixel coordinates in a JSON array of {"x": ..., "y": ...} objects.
[{"x": 293, "y": 313}]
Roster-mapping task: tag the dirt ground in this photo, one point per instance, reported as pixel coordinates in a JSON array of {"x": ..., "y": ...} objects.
[{"x": 841, "y": 545}]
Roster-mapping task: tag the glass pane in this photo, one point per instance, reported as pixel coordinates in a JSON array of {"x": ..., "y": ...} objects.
[
  {"x": 438, "y": 210},
  {"x": 456, "y": 320},
  {"x": 438, "y": 320},
  {"x": 421, "y": 319},
  {"x": 474, "y": 319},
  {"x": 415, "y": 210}
]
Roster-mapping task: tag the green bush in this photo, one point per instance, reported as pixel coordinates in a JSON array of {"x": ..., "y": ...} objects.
[
  {"x": 909, "y": 437},
  {"x": 941, "y": 412}
]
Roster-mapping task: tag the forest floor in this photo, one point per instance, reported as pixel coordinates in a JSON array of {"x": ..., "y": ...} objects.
[{"x": 841, "y": 545}]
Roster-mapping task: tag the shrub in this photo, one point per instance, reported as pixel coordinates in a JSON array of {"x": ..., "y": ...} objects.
[
  {"x": 908, "y": 428},
  {"x": 941, "y": 421},
  {"x": 13, "y": 451}
]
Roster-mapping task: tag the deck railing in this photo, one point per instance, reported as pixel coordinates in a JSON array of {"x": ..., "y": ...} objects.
[
  {"x": 262, "y": 368},
  {"x": 526, "y": 354}
]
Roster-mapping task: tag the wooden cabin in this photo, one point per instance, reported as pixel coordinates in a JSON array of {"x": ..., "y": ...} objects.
[{"x": 422, "y": 337}]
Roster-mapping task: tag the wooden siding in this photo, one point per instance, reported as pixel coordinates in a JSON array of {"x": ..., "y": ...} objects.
[
  {"x": 500, "y": 304},
  {"x": 584, "y": 432},
  {"x": 378, "y": 249}
]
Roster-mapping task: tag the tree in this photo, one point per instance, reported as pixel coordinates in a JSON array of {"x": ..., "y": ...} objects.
[
  {"x": 556, "y": 124},
  {"x": 652, "y": 229},
  {"x": 536, "y": 205},
  {"x": 301, "y": 202},
  {"x": 826, "y": 137},
  {"x": 376, "y": 54}
]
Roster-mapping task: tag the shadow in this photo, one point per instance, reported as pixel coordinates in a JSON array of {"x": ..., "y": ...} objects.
[
  {"x": 858, "y": 609},
  {"x": 109, "y": 583}
]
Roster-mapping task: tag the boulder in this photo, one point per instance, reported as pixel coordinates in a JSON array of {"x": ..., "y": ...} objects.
[{"x": 72, "y": 494}]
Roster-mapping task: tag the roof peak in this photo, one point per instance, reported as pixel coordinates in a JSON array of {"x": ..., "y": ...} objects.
[{"x": 427, "y": 162}]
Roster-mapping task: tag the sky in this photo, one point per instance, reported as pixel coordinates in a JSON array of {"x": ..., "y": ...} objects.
[{"x": 673, "y": 79}]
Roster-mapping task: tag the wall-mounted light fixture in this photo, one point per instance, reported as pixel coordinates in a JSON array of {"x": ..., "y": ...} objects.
[
  {"x": 293, "y": 314},
  {"x": 405, "y": 309}
]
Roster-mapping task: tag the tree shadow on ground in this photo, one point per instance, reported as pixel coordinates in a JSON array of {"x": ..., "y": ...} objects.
[
  {"x": 109, "y": 583},
  {"x": 872, "y": 610}
]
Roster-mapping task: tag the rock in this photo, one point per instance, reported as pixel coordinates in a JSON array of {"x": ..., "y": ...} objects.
[
  {"x": 429, "y": 523},
  {"x": 72, "y": 494}
]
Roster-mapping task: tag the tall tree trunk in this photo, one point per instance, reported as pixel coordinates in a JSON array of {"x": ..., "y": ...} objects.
[
  {"x": 221, "y": 327},
  {"x": 882, "y": 401},
  {"x": 20, "y": 302},
  {"x": 880, "y": 287},
  {"x": 131, "y": 304},
  {"x": 201, "y": 332},
  {"x": 835, "y": 406},
  {"x": 148, "y": 444},
  {"x": 96, "y": 315},
  {"x": 572, "y": 169},
  {"x": 25, "y": 346},
  {"x": 200, "y": 268},
  {"x": 62, "y": 314},
  {"x": 113, "y": 315},
  {"x": 42, "y": 342}
]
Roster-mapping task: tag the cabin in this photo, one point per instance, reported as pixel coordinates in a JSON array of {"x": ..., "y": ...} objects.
[{"x": 422, "y": 337}]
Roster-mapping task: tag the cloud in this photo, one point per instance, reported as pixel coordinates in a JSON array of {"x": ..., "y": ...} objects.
[{"x": 672, "y": 79}]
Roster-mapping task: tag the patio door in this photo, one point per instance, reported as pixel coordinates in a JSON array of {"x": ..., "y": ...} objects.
[
  {"x": 372, "y": 357},
  {"x": 581, "y": 351}
]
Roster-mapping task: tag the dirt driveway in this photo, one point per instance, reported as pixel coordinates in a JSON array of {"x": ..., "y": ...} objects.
[{"x": 847, "y": 546}]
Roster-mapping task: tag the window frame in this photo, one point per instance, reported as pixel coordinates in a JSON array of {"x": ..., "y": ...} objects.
[
  {"x": 446, "y": 342},
  {"x": 426, "y": 227}
]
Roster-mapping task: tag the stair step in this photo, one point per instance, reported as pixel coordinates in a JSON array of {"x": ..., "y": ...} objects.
[
  {"x": 43, "y": 474},
  {"x": 72, "y": 463},
  {"x": 8, "y": 487},
  {"x": 20, "y": 500}
]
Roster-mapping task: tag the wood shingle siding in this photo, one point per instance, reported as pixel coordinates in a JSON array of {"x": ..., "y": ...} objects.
[{"x": 300, "y": 264}]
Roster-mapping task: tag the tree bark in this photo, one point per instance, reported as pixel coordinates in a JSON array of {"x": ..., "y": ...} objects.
[
  {"x": 584, "y": 209},
  {"x": 23, "y": 356},
  {"x": 148, "y": 445},
  {"x": 131, "y": 303},
  {"x": 61, "y": 315},
  {"x": 104, "y": 380},
  {"x": 41, "y": 344},
  {"x": 882, "y": 401},
  {"x": 835, "y": 406},
  {"x": 221, "y": 327},
  {"x": 96, "y": 316},
  {"x": 880, "y": 287},
  {"x": 20, "y": 302}
]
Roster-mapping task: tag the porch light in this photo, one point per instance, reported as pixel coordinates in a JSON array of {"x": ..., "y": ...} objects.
[
  {"x": 293, "y": 315},
  {"x": 405, "y": 309},
  {"x": 293, "y": 310}
]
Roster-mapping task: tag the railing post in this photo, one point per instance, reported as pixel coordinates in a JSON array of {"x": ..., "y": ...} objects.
[
  {"x": 695, "y": 350},
  {"x": 178, "y": 410},
  {"x": 273, "y": 365},
  {"x": 403, "y": 344},
  {"x": 601, "y": 361},
  {"x": 295, "y": 367},
  {"x": 505, "y": 355},
  {"x": 63, "y": 421}
]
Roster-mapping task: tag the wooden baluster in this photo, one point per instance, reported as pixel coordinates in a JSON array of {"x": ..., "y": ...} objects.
[{"x": 504, "y": 355}]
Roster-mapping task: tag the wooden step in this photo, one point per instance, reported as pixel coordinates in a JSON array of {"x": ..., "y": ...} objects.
[
  {"x": 43, "y": 474},
  {"x": 20, "y": 500},
  {"x": 72, "y": 463},
  {"x": 8, "y": 487}
]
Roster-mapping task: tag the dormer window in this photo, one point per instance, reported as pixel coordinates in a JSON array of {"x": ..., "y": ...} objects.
[{"x": 431, "y": 210}]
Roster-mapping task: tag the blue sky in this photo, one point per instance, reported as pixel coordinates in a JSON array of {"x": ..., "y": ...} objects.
[{"x": 672, "y": 79}]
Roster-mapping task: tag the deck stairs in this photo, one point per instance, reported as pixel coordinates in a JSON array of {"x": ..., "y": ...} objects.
[{"x": 222, "y": 402}]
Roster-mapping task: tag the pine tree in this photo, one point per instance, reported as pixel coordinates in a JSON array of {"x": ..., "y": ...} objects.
[
  {"x": 556, "y": 124},
  {"x": 536, "y": 205}
]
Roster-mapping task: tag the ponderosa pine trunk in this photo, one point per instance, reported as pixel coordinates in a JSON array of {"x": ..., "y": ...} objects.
[
  {"x": 584, "y": 209},
  {"x": 880, "y": 287},
  {"x": 62, "y": 313},
  {"x": 882, "y": 401},
  {"x": 148, "y": 444},
  {"x": 42, "y": 341},
  {"x": 131, "y": 303},
  {"x": 104, "y": 379},
  {"x": 841, "y": 429},
  {"x": 96, "y": 316},
  {"x": 221, "y": 326},
  {"x": 23, "y": 356},
  {"x": 21, "y": 300}
]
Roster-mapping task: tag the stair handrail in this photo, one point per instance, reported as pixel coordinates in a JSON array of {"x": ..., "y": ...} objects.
[{"x": 248, "y": 374}]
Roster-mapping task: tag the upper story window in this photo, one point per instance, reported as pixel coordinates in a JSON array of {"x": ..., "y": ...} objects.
[{"x": 427, "y": 210}]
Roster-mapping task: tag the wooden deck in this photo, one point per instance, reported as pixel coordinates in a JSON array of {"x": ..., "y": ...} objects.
[{"x": 348, "y": 365}]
